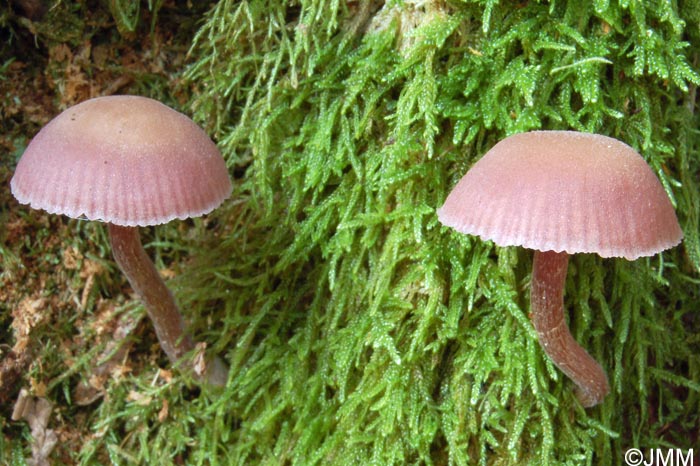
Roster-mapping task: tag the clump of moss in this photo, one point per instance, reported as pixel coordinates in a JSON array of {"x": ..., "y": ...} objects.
[{"x": 364, "y": 332}]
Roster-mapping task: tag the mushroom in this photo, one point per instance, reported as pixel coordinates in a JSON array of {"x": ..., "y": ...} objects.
[
  {"x": 129, "y": 161},
  {"x": 560, "y": 193}
]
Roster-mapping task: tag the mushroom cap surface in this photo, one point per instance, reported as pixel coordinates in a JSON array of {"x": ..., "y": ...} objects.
[
  {"x": 127, "y": 160},
  {"x": 564, "y": 191}
]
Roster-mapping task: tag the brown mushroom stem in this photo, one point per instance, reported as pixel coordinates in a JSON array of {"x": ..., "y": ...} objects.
[
  {"x": 158, "y": 300},
  {"x": 547, "y": 314}
]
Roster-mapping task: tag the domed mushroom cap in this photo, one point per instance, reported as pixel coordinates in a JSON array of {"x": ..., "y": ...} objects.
[
  {"x": 564, "y": 191},
  {"x": 127, "y": 160}
]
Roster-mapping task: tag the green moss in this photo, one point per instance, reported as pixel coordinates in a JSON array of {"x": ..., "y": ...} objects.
[{"x": 371, "y": 334}]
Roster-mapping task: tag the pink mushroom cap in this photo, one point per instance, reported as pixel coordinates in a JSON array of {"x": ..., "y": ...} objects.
[
  {"x": 564, "y": 191},
  {"x": 127, "y": 160}
]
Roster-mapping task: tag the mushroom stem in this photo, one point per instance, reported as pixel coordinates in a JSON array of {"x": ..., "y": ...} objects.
[
  {"x": 158, "y": 300},
  {"x": 547, "y": 314}
]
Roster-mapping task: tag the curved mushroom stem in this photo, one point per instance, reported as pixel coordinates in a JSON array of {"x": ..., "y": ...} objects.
[
  {"x": 547, "y": 314},
  {"x": 159, "y": 302}
]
